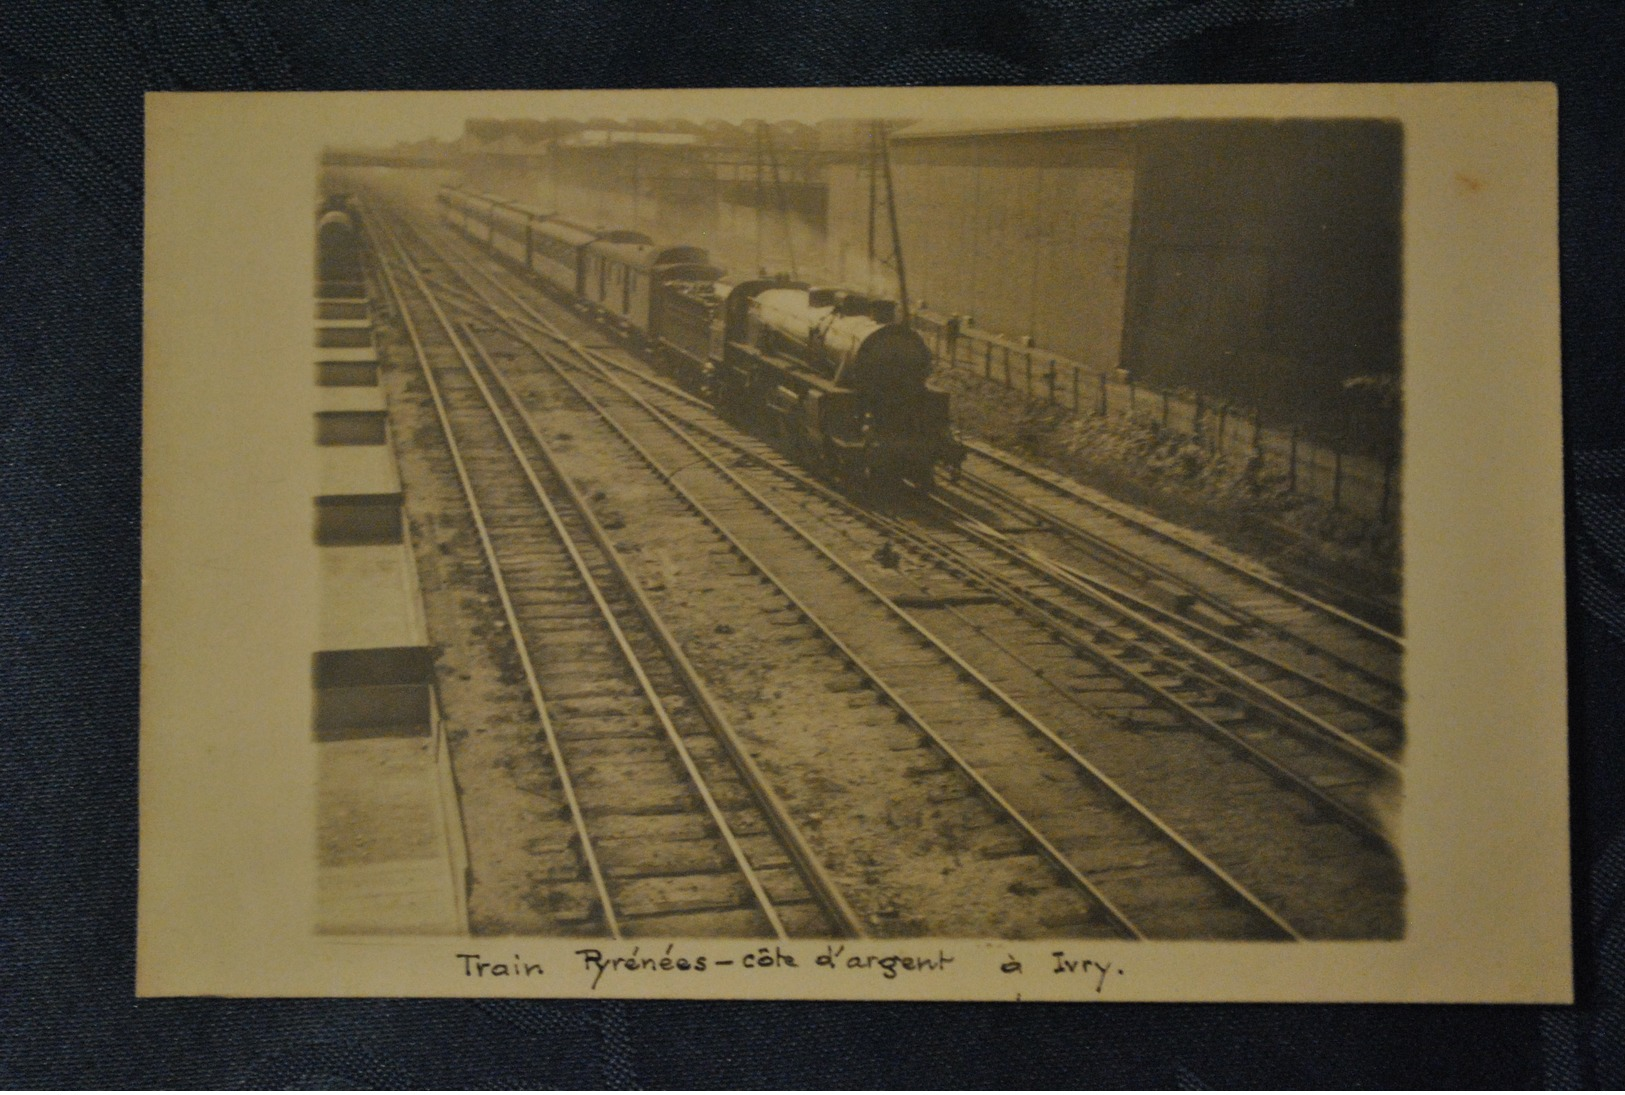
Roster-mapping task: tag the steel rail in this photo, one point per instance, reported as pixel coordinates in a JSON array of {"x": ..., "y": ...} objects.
[
  {"x": 1136, "y": 612},
  {"x": 633, "y": 662},
  {"x": 990, "y": 688},
  {"x": 1060, "y": 524},
  {"x": 1387, "y": 768},
  {"x": 982, "y": 681},
  {"x": 1093, "y": 543},
  {"x": 1111, "y": 598},
  {"x": 1120, "y": 919},
  {"x": 773, "y": 808},
  {"x": 1026, "y": 602},
  {"x": 818, "y": 883},
  {"x": 1373, "y": 631},
  {"x": 1046, "y": 613},
  {"x": 533, "y": 683},
  {"x": 823, "y": 888}
]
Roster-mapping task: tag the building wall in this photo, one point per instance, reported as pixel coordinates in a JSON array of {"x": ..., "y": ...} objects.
[
  {"x": 1254, "y": 262},
  {"x": 1028, "y": 234},
  {"x": 1265, "y": 263}
]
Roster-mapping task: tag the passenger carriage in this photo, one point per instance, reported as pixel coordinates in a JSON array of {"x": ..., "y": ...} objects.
[
  {"x": 555, "y": 253},
  {"x": 512, "y": 231},
  {"x": 624, "y": 278}
]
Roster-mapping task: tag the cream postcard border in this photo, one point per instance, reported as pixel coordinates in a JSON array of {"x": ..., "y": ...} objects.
[{"x": 227, "y": 880}]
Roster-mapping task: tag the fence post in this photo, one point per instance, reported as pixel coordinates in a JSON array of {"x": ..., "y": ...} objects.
[
  {"x": 1218, "y": 440},
  {"x": 987, "y": 360},
  {"x": 1258, "y": 432},
  {"x": 1292, "y": 464},
  {"x": 1337, "y": 479},
  {"x": 1074, "y": 390},
  {"x": 1104, "y": 406}
]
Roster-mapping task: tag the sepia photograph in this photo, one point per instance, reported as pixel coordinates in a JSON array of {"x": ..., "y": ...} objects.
[{"x": 849, "y": 543}]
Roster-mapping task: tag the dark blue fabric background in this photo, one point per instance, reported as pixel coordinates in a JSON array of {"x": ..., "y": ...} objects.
[{"x": 71, "y": 77}]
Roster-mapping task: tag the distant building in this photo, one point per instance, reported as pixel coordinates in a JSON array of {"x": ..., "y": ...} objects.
[
  {"x": 601, "y": 138},
  {"x": 1255, "y": 261}
]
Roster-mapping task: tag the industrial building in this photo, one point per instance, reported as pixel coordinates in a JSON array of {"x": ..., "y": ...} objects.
[{"x": 1256, "y": 262}]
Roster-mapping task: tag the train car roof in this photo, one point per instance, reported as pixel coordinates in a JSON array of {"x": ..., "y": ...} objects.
[
  {"x": 632, "y": 254},
  {"x": 523, "y": 210},
  {"x": 599, "y": 232},
  {"x": 565, "y": 232},
  {"x": 624, "y": 236},
  {"x": 647, "y": 256},
  {"x": 693, "y": 272},
  {"x": 672, "y": 253}
]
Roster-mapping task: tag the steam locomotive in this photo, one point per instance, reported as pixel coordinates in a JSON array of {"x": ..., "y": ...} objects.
[{"x": 830, "y": 374}]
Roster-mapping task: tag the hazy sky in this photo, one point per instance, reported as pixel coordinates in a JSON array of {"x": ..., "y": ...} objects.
[{"x": 386, "y": 118}]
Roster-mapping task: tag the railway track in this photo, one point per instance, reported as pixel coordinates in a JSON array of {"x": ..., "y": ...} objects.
[
  {"x": 1198, "y": 579},
  {"x": 1188, "y": 666},
  {"x": 1359, "y": 718},
  {"x": 966, "y": 701},
  {"x": 675, "y": 833}
]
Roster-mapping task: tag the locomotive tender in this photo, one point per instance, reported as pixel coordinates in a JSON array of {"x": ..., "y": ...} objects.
[{"x": 832, "y": 374}]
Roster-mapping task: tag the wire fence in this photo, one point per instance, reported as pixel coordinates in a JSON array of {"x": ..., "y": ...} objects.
[{"x": 1356, "y": 483}]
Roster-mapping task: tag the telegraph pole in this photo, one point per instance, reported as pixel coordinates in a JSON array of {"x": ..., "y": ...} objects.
[
  {"x": 891, "y": 210},
  {"x": 783, "y": 201},
  {"x": 874, "y": 174},
  {"x": 761, "y": 199}
]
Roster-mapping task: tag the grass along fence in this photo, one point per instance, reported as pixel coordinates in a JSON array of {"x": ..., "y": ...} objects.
[{"x": 1355, "y": 483}]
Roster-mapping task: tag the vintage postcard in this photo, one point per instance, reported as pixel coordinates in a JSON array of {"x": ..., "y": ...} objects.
[{"x": 1010, "y": 544}]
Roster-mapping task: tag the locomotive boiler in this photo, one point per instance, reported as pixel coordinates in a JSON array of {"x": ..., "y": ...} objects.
[{"x": 840, "y": 382}]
